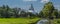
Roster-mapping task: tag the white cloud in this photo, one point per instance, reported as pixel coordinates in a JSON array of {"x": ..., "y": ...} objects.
[
  {"x": 44, "y": 1},
  {"x": 29, "y": 0}
]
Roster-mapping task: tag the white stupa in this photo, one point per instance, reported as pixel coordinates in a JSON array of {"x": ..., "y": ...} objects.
[{"x": 31, "y": 9}]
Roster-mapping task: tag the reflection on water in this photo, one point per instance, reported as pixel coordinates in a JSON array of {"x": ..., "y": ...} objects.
[{"x": 43, "y": 21}]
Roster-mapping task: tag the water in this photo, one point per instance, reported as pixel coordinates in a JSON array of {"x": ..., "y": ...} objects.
[{"x": 43, "y": 21}]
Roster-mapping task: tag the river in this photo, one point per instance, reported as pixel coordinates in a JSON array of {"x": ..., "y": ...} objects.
[{"x": 43, "y": 21}]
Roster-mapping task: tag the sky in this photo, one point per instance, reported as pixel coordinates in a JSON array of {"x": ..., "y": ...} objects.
[{"x": 25, "y": 4}]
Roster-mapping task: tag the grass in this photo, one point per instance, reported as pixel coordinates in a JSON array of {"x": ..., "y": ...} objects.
[
  {"x": 17, "y": 20},
  {"x": 57, "y": 21}
]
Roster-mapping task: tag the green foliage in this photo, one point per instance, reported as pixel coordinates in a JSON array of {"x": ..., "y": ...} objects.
[
  {"x": 7, "y": 12},
  {"x": 48, "y": 11},
  {"x": 41, "y": 14},
  {"x": 58, "y": 15},
  {"x": 56, "y": 21},
  {"x": 55, "y": 13}
]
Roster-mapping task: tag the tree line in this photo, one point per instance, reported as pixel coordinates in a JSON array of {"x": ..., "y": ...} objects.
[
  {"x": 7, "y": 12},
  {"x": 48, "y": 11}
]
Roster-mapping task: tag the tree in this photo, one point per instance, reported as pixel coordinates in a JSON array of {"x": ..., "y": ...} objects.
[
  {"x": 7, "y": 11},
  {"x": 48, "y": 9},
  {"x": 55, "y": 13},
  {"x": 3, "y": 11},
  {"x": 23, "y": 13},
  {"x": 16, "y": 11},
  {"x": 41, "y": 14},
  {"x": 3, "y": 6},
  {"x": 58, "y": 15}
]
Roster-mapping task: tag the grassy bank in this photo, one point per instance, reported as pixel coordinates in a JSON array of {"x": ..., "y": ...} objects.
[
  {"x": 56, "y": 21},
  {"x": 17, "y": 20}
]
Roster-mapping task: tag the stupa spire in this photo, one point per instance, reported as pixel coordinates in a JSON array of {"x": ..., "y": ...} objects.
[{"x": 31, "y": 7}]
